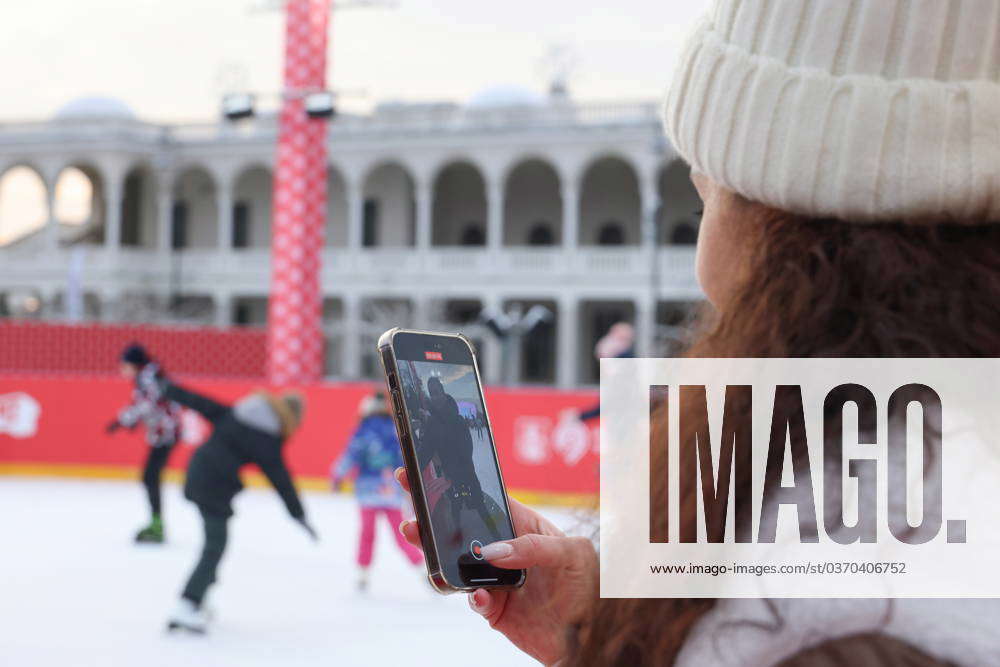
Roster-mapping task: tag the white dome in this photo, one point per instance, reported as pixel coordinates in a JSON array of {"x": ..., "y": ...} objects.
[
  {"x": 505, "y": 95},
  {"x": 95, "y": 107}
]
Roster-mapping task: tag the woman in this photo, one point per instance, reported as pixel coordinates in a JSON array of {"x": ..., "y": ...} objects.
[
  {"x": 848, "y": 156},
  {"x": 253, "y": 431},
  {"x": 163, "y": 429},
  {"x": 373, "y": 453}
]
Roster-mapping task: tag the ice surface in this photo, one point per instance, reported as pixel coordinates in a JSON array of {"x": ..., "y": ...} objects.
[{"x": 77, "y": 592}]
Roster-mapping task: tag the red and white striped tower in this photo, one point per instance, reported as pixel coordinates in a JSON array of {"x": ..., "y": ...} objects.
[{"x": 295, "y": 338}]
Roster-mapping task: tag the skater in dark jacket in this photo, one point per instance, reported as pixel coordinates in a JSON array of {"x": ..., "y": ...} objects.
[
  {"x": 253, "y": 430},
  {"x": 163, "y": 428},
  {"x": 448, "y": 437}
]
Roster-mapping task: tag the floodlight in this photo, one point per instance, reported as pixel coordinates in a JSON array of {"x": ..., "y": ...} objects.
[
  {"x": 236, "y": 106},
  {"x": 320, "y": 105}
]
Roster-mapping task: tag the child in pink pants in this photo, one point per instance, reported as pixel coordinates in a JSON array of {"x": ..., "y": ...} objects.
[{"x": 373, "y": 454}]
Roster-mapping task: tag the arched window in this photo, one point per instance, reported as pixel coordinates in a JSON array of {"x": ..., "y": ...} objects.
[
  {"x": 473, "y": 235},
  {"x": 74, "y": 197},
  {"x": 389, "y": 217},
  {"x": 611, "y": 233},
  {"x": 196, "y": 189},
  {"x": 541, "y": 234},
  {"x": 459, "y": 197},
  {"x": 684, "y": 234},
  {"x": 23, "y": 203},
  {"x": 532, "y": 198},
  {"x": 609, "y": 193}
]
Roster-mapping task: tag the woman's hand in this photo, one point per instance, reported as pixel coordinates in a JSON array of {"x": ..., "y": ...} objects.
[{"x": 561, "y": 582}]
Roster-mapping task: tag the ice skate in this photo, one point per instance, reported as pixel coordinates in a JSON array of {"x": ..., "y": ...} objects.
[
  {"x": 151, "y": 534},
  {"x": 189, "y": 617}
]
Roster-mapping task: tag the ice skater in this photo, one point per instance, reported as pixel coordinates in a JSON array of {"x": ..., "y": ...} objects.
[
  {"x": 163, "y": 428},
  {"x": 618, "y": 343},
  {"x": 254, "y": 430},
  {"x": 372, "y": 455}
]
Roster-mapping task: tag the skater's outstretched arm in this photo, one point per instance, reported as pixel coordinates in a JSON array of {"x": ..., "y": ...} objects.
[
  {"x": 277, "y": 473},
  {"x": 211, "y": 410},
  {"x": 351, "y": 457}
]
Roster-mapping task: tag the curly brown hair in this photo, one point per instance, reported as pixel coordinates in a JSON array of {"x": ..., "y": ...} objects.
[{"x": 819, "y": 288}]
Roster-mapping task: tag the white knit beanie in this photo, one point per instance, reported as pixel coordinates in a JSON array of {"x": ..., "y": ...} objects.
[{"x": 861, "y": 110}]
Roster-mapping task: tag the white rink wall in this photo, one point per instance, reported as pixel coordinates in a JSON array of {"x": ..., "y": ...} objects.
[{"x": 77, "y": 592}]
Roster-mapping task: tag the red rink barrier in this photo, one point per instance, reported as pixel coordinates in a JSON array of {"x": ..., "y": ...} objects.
[{"x": 57, "y": 423}]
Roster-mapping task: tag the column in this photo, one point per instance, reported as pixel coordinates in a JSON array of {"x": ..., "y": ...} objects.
[
  {"x": 223, "y": 310},
  {"x": 645, "y": 328},
  {"x": 645, "y": 308},
  {"x": 351, "y": 364},
  {"x": 355, "y": 214},
  {"x": 424, "y": 194},
  {"x": 494, "y": 214},
  {"x": 74, "y": 298},
  {"x": 571, "y": 215},
  {"x": 51, "y": 178},
  {"x": 568, "y": 350},
  {"x": 492, "y": 349},
  {"x": 422, "y": 312},
  {"x": 165, "y": 212},
  {"x": 111, "y": 304},
  {"x": 224, "y": 208},
  {"x": 113, "y": 213},
  {"x": 650, "y": 203}
]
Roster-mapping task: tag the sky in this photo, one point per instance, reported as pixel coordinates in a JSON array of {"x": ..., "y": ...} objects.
[{"x": 170, "y": 60}]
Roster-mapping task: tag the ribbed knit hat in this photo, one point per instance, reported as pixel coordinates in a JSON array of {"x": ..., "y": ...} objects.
[{"x": 862, "y": 110}]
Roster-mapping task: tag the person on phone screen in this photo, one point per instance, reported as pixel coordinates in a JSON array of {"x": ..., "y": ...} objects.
[
  {"x": 251, "y": 431},
  {"x": 848, "y": 158},
  {"x": 372, "y": 455},
  {"x": 447, "y": 436},
  {"x": 162, "y": 421}
]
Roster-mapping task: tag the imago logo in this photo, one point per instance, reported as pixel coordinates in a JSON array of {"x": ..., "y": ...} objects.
[
  {"x": 773, "y": 478},
  {"x": 729, "y": 477},
  {"x": 19, "y": 414},
  {"x": 430, "y": 355}
]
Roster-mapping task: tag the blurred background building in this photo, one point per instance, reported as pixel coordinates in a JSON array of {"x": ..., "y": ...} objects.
[{"x": 438, "y": 214}]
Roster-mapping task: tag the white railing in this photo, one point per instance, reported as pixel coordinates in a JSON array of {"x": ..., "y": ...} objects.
[
  {"x": 202, "y": 270},
  {"x": 402, "y": 120},
  {"x": 84, "y": 130}
]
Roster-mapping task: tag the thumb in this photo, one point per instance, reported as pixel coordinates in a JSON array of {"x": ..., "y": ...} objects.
[{"x": 535, "y": 551}]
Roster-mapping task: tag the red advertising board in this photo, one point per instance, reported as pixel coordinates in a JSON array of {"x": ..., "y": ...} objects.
[{"x": 57, "y": 423}]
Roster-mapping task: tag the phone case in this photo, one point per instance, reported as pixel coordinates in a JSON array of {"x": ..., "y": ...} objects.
[{"x": 387, "y": 358}]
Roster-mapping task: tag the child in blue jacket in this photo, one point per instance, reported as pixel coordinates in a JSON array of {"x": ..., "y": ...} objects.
[{"x": 373, "y": 454}]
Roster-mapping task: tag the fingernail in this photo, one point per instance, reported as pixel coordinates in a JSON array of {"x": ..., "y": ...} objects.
[
  {"x": 397, "y": 473},
  {"x": 497, "y": 550},
  {"x": 474, "y": 603},
  {"x": 402, "y": 527}
]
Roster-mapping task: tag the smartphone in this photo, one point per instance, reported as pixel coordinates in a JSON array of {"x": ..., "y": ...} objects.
[{"x": 451, "y": 460}]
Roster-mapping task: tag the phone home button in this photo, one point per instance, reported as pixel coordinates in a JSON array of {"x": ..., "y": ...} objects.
[{"x": 476, "y": 549}]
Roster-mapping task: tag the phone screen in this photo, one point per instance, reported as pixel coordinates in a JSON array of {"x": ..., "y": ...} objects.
[{"x": 455, "y": 452}]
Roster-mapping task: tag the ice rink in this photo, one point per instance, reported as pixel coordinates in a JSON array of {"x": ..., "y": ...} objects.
[{"x": 76, "y": 591}]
